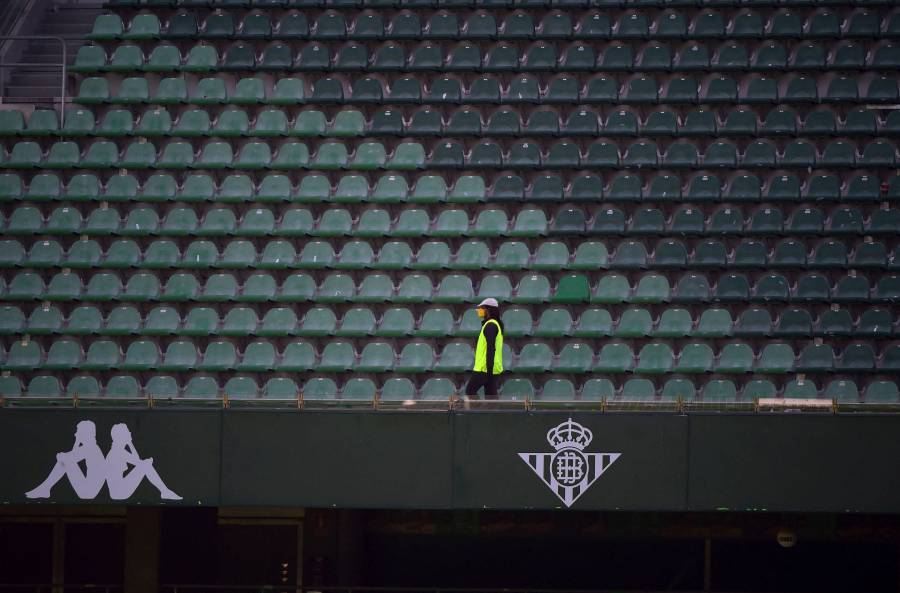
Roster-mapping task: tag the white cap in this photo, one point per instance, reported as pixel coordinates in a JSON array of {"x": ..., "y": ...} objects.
[{"x": 488, "y": 303}]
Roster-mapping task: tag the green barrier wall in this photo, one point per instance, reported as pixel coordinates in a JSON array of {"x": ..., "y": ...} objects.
[{"x": 476, "y": 460}]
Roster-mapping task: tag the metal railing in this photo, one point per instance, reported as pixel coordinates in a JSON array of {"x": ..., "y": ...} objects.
[{"x": 63, "y": 67}]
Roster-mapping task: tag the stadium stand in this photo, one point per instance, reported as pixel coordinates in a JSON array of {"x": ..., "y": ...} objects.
[{"x": 688, "y": 202}]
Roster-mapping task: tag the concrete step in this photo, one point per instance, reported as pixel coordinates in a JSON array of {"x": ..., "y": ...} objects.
[
  {"x": 31, "y": 94},
  {"x": 43, "y": 59},
  {"x": 64, "y": 29},
  {"x": 21, "y": 78}
]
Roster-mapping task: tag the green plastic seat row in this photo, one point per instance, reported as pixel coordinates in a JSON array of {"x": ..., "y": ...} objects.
[
  {"x": 716, "y": 390},
  {"x": 240, "y": 253},
  {"x": 241, "y": 187},
  {"x": 594, "y": 24},
  {"x": 205, "y": 386},
  {"x": 409, "y": 155},
  {"x": 295, "y": 221},
  {"x": 361, "y": 255},
  {"x": 214, "y": 154},
  {"x": 185, "y": 355},
  {"x": 128, "y": 389},
  {"x": 427, "y": 121},
  {"x": 526, "y": 88},
  {"x": 206, "y": 91},
  {"x": 454, "y": 287},
  {"x": 223, "y": 355},
  {"x": 491, "y": 56},
  {"x": 362, "y": 321},
  {"x": 231, "y": 121},
  {"x": 724, "y": 221},
  {"x": 431, "y": 188},
  {"x": 239, "y": 321},
  {"x": 182, "y": 354}
]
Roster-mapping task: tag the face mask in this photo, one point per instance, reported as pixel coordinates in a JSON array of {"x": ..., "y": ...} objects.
[{"x": 481, "y": 313}]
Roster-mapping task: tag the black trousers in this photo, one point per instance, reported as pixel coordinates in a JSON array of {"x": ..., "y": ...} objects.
[{"x": 478, "y": 380}]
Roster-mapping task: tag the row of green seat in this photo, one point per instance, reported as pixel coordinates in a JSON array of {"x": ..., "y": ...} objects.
[
  {"x": 455, "y": 357},
  {"x": 484, "y": 24},
  {"x": 524, "y": 88},
  {"x": 436, "y": 322},
  {"x": 118, "y": 389},
  {"x": 396, "y": 188},
  {"x": 443, "y": 154},
  {"x": 225, "y": 221},
  {"x": 504, "y": 56},
  {"x": 450, "y": 288},
  {"x": 438, "y": 255},
  {"x": 466, "y": 121}
]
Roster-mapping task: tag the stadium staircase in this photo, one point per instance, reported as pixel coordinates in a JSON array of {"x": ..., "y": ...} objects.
[
  {"x": 39, "y": 82},
  {"x": 677, "y": 203}
]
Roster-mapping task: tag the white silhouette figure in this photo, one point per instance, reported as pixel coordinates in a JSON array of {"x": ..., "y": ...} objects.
[
  {"x": 87, "y": 483},
  {"x": 121, "y": 482}
]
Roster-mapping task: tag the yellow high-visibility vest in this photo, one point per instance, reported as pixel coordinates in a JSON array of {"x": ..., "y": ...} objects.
[{"x": 481, "y": 350}]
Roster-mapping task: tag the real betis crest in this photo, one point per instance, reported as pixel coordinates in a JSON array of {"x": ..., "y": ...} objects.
[{"x": 569, "y": 471}]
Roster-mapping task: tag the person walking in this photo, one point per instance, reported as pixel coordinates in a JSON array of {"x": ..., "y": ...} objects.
[{"x": 488, "y": 352}]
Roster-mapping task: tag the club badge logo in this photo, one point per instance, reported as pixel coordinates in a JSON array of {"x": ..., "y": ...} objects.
[{"x": 569, "y": 471}]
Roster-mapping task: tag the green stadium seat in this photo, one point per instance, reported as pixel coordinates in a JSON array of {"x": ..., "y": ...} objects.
[
  {"x": 144, "y": 355},
  {"x": 456, "y": 357},
  {"x": 612, "y": 288},
  {"x": 25, "y": 286},
  {"x": 651, "y": 288},
  {"x": 437, "y": 388},
  {"x": 433, "y": 255},
  {"x": 334, "y": 222},
  {"x": 714, "y": 323},
  {"x": 638, "y": 390},
  {"x": 695, "y": 358},
  {"x": 44, "y": 320},
  {"x": 320, "y": 389},
  {"x": 239, "y": 321},
  {"x": 288, "y": 91},
  {"x": 282, "y": 321},
  {"x": 614, "y": 358},
  {"x": 673, "y": 323},
  {"x": 123, "y": 320},
  {"x": 735, "y": 358},
  {"x": 337, "y": 357},
  {"x": 454, "y": 288},
  {"x": 634, "y": 323},
  {"x": 517, "y": 389},
  {"x": 103, "y": 355},
  {"x": 416, "y": 357},
  {"x": 655, "y": 359},
  {"x": 881, "y": 392},
  {"x": 451, "y": 223},
  {"x": 472, "y": 255},
  {"x": 161, "y": 320},
  {"x": 533, "y": 358},
  {"x": 497, "y": 286},
  {"x": 775, "y": 358},
  {"x": 435, "y": 322}
]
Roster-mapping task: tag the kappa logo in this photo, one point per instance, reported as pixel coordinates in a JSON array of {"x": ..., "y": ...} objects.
[
  {"x": 87, "y": 469},
  {"x": 569, "y": 471}
]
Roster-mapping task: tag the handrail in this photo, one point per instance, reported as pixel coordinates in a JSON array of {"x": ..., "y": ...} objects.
[{"x": 64, "y": 67}]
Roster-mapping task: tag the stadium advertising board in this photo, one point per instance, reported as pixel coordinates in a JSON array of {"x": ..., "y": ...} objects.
[
  {"x": 535, "y": 460},
  {"x": 110, "y": 456}
]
